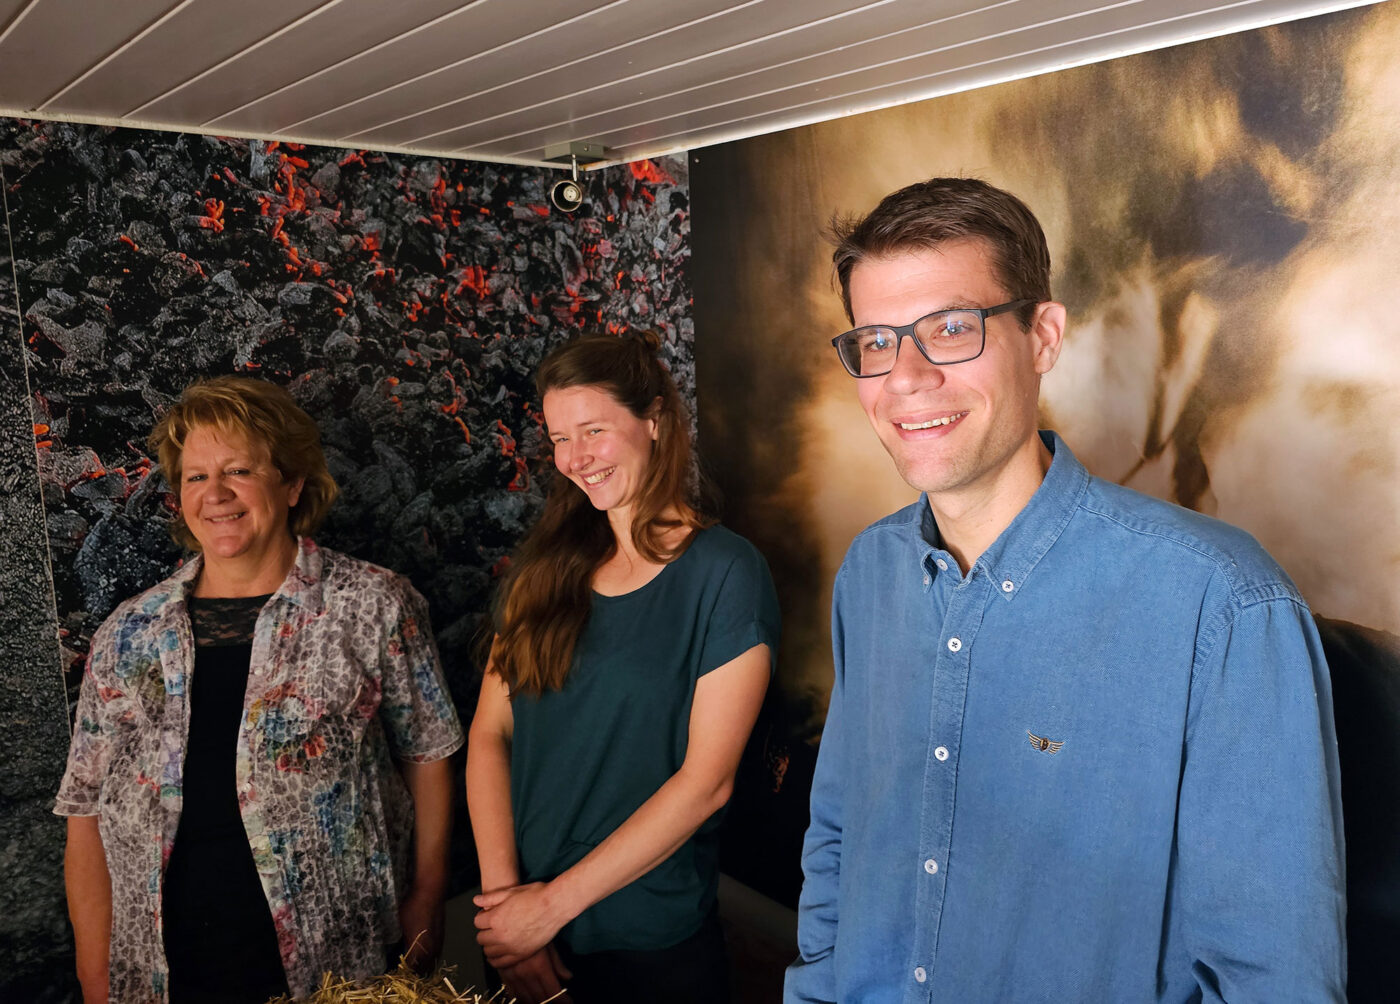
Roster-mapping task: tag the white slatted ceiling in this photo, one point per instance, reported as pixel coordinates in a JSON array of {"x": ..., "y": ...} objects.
[
  {"x": 502, "y": 79},
  {"x": 149, "y": 65}
]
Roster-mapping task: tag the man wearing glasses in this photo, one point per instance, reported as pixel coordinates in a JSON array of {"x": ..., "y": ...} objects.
[{"x": 1080, "y": 741}]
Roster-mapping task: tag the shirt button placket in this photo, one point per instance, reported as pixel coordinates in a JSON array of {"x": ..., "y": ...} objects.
[{"x": 959, "y": 627}]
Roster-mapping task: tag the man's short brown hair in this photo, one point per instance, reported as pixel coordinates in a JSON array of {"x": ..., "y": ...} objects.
[
  {"x": 263, "y": 413},
  {"x": 925, "y": 215}
]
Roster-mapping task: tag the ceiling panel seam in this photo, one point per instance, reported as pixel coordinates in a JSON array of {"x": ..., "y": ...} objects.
[
  {"x": 476, "y": 55},
  {"x": 20, "y": 15},
  {"x": 308, "y": 16},
  {"x": 554, "y": 69},
  {"x": 924, "y": 96},
  {"x": 739, "y": 76},
  {"x": 809, "y": 81},
  {"x": 342, "y": 62},
  {"x": 637, "y": 76},
  {"x": 153, "y": 26}
]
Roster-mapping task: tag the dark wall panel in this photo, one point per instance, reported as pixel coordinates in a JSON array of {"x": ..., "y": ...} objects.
[
  {"x": 404, "y": 301},
  {"x": 33, "y": 713}
]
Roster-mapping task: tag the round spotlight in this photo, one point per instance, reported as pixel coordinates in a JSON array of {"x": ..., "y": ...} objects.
[{"x": 567, "y": 195}]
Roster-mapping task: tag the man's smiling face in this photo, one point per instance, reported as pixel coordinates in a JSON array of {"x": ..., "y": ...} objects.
[{"x": 951, "y": 428}]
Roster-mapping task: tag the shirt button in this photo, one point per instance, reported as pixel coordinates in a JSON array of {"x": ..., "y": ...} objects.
[
  {"x": 927, "y": 580},
  {"x": 941, "y": 753},
  {"x": 931, "y": 866},
  {"x": 942, "y": 565},
  {"x": 919, "y": 974},
  {"x": 1007, "y": 586},
  {"x": 954, "y": 644}
]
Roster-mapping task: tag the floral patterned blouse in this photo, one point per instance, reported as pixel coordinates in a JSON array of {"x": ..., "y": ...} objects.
[{"x": 344, "y": 678}]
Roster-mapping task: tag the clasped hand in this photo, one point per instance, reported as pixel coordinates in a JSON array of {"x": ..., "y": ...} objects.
[
  {"x": 515, "y": 923},
  {"x": 515, "y": 928}
]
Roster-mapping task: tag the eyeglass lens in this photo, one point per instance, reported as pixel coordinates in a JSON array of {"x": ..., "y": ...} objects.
[{"x": 949, "y": 336}]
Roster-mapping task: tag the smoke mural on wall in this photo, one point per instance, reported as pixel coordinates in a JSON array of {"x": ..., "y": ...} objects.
[
  {"x": 1223, "y": 222},
  {"x": 404, "y": 301},
  {"x": 1222, "y": 218}
]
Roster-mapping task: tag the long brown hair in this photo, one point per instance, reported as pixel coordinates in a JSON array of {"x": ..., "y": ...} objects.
[{"x": 545, "y": 599}]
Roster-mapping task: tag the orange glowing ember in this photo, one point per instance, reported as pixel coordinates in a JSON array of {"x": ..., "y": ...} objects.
[
  {"x": 213, "y": 218},
  {"x": 474, "y": 278},
  {"x": 645, "y": 170}
]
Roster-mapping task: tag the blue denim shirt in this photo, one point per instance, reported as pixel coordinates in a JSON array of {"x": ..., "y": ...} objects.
[{"x": 1100, "y": 766}]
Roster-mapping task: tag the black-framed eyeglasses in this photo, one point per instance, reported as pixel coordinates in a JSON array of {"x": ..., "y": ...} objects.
[{"x": 944, "y": 337}]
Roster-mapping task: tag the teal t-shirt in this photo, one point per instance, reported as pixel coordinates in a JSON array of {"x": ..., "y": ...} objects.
[{"x": 584, "y": 757}]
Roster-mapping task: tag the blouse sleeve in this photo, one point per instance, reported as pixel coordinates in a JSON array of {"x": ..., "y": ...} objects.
[
  {"x": 419, "y": 717},
  {"x": 744, "y": 614},
  {"x": 103, "y": 709}
]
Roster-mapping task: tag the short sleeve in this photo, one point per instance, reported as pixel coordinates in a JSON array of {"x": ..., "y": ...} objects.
[
  {"x": 103, "y": 708},
  {"x": 416, "y": 708},
  {"x": 744, "y": 612}
]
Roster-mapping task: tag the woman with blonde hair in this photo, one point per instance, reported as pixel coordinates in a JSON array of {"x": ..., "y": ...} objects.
[
  {"x": 635, "y": 640},
  {"x": 257, "y": 790}
]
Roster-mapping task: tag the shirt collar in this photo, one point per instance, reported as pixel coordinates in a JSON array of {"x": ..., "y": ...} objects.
[
  {"x": 302, "y": 586},
  {"x": 1015, "y": 553}
]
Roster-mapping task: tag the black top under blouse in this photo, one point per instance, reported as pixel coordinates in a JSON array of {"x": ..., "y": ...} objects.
[{"x": 220, "y": 942}]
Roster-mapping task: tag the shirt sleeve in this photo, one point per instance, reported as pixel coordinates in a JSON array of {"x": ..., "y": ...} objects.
[
  {"x": 812, "y": 978},
  {"x": 745, "y": 613},
  {"x": 1259, "y": 898},
  {"x": 416, "y": 707},
  {"x": 103, "y": 709}
]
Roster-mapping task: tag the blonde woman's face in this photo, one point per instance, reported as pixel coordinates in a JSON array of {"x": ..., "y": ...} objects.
[{"x": 232, "y": 498}]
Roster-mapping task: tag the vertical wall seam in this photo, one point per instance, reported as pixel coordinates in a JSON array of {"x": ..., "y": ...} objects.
[{"x": 38, "y": 477}]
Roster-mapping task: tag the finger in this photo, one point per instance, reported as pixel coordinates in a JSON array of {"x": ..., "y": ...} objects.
[
  {"x": 496, "y": 954},
  {"x": 486, "y": 900},
  {"x": 560, "y": 970},
  {"x": 483, "y": 920},
  {"x": 546, "y": 986},
  {"x": 526, "y": 988}
]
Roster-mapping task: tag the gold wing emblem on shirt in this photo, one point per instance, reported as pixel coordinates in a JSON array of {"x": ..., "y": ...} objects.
[{"x": 1044, "y": 745}]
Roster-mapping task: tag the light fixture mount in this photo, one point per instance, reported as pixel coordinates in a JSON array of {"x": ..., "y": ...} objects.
[{"x": 576, "y": 150}]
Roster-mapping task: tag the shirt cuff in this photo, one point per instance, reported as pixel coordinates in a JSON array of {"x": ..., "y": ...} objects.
[{"x": 810, "y": 982}]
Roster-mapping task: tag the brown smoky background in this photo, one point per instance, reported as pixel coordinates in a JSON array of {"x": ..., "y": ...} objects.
[{"x": 1224, "y": 222}]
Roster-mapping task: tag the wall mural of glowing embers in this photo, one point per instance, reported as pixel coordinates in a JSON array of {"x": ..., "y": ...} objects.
[
  {"x": 404, "y": 301},
  {"x": 1223, "y": 221}
]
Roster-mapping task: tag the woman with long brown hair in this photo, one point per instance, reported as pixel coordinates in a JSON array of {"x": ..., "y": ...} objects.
[{"x": 634, "y": 642}]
